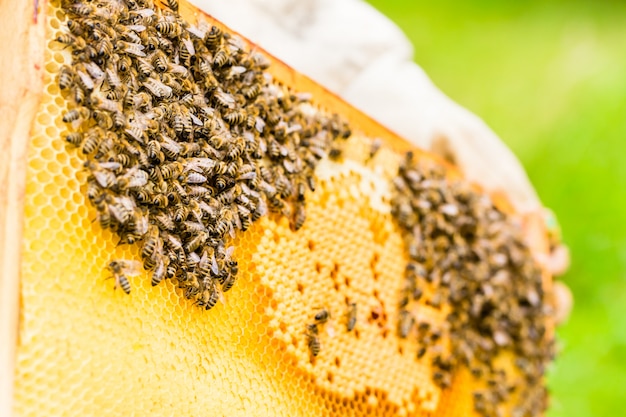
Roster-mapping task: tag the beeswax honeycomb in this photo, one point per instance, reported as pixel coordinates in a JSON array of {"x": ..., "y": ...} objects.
[{"x": 87, "y": 349}]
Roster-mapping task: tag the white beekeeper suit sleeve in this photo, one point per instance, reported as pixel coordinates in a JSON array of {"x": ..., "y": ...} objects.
[{"x": 350, "y": 48}]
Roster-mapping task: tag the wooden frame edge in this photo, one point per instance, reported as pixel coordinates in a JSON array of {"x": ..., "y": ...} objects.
[{"x": 22, "y": 34}]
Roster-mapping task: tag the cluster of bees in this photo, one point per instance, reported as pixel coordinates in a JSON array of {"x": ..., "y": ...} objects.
[
  {"x": 468, "y": 258},
  {"x": 187, "y": 138}
]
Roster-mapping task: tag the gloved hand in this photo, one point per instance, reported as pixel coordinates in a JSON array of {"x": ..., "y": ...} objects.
[{"x": 349, "y": 47}]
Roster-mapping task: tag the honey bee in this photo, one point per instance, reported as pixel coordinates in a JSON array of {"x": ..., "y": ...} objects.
[
  {"x": 66, "y": 77},
  {"x": 122, "y": 268},
  {"x": 311, "y": 182},
  {"x": 299, "y": 217},
  {"x": 405, "y": 324},
  {"x": 170, "y": 148},
  {"x": 157, "y": 88},
  {"x": 443, "y": 379},
  {"x": 421, "y": 352},
  {"x": 151, "y": 243},
  {"x": 300, "y": 191},
  {"x": 83, "y": 9},
  {"x": 123, "y": 211},
  {"x": 133, "y": 178},
  {"x": 135, "y": 133},
  {"x": 171, "y": 29},
  {"x": 196, "y": 241},
  {"x": 173, "y": 5},
  {"x": 159, "y": 272},
  {"x": 160, "y": 62},
  {"x": 322, "y": 316},
  {"x": 209, "y": 296},
  {"x": 78, "y": 94},
  {"x": 195, "y": 178},
  {"x": 74, "y": 138},
  {"x": 186, "y": 51},
  {"x": 104, "y": 47},
  {"x": 224, "y": 99},
  {"x": 160, "y": 200},
  {"x": 78, "y": 114},
  {"x": 75, "y": 27},
  {"x": 214, "y": 37},
  {"x": 313, "y": 339},
  {"x": 224, "y": 225},
  {"x": 258, "y": 60},
  {"x": 267, "y": 174},
  {"x": 153, "y": 150},
  {"x": 93, "y": 191},
  {"x": 113, "y": 78},
  {"x": 144, "y": 67},
  {"x": 283, "y": 186},
  {"x": 274, "y": 149},
  {"x": 223, "y": 182},
  {"x": 252, "y": 91},
  {"x": 235, "y": 117},
  {"x": 68, "y": 39},
  {"x": 230, "y": 280},
  {"x": 135, "y": 49},
  {"x": 181, "y": 213},
  {"x": 208, "y": 264},
  {"x": 374, "y": 148},
  {"x": 352, "y": 315},
  {"x": 104, "y": 177}
]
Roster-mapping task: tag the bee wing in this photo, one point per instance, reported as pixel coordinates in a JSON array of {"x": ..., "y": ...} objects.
[
  {"x": 226, "y": 98},
  {"x": 207, "y": 208},
  {"x": 178, "y": 69},
  {"x": 137, "y": 177},
  {"x": 214, "y": 268},
  {"x": 142, "y": 224},
  {"x": 86, "y": 80},
  {"x": 248, "y": 192},
  {"x": 237, "y": 220},
  {"x": 229, "y": 253},
  {"x": 236, "y": 70},
  {"x": 94, "y": 70},
  {"x": 200, "y": 165},
  {"x": 144, "y": 12},
  {"x": 173, "y": 241},
  {"x": 102, "y": 178},
  {"x": 195, "y": 120},
  {"x": 110, "y": 165},
  {"x": 189, "y": 44},
  {"x": 131, "y": 267},
  {"x": 106, "y": 104},
  {"x": 294, "y": 128},
  {"x": 136, "y": 28},
  {"x": 135, "y": 49},
  {"x": 249, "y": 175},
  {"x": 126, "y": 202},
  {"x": 157, "y": 88},
  {"x": 231, "y": 229},
  {"x": 194, "y": 258}
]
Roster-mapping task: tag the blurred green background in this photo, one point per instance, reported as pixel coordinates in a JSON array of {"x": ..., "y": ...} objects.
[{"x": 550, "y": 79}]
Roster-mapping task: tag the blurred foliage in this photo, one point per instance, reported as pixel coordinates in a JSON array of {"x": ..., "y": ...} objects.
[{"x": 550, "y": 79}]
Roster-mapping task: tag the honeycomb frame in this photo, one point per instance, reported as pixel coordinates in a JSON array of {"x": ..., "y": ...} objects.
[{"x": 351, "y": 188}]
